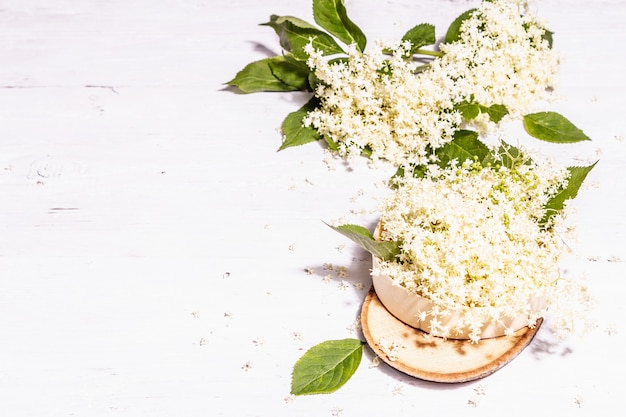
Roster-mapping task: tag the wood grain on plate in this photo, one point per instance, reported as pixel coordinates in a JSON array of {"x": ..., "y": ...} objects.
[{"x": 420, "y": 355}]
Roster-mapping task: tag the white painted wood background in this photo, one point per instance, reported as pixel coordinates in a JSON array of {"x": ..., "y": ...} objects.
[{"x": 153, "y": 243}]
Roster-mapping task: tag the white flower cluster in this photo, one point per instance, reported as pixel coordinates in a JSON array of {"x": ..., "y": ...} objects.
[
  {"x": 377, "y": 102},
  {"x": 381, "y": 103},
  {"x": 501, "y": 57},
  {"x": 473, "y": 242}
]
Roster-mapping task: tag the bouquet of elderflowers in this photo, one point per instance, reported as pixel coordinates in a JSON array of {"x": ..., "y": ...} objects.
[
  {"x": 400, "y": 102},
  {"x": 494, "y": 63},
  {"x": 475, "y": 232}
]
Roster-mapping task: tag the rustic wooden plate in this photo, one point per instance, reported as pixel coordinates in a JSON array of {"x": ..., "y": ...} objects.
[{"x": 420, "y": 355}]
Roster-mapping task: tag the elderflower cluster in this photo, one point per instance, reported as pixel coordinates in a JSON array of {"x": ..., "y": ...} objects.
[
  {"x": 502, "y": 57},
  {"x": 374, "y": 101},
  {"x": 473, "y": 241},
  {"x": 390, "y": 107}
]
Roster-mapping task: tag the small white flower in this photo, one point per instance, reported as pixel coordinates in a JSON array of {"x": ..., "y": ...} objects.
[
  {"x": 398, "y": 389},
  {"x": 343, "y": 285},
  {"x": 375, "y": 362},
  {"x": 355, "y": 327},
  {"x": 391, "y": 349},
  {"x": 296, "y": 335},
  {"x": 342, "y": 272},
  {"x": 473, "y": 402},
  {"x": 480, "y": 390},
  {"x": 336, "y": 412},
  {"x": 579, "y": 400}
]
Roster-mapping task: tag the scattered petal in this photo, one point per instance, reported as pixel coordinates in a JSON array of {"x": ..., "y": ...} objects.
[
  {"x": 343, "y": 285},
  {"x": 375, "y": 362},
  {"x": 391, "y": 349},
  {"x": 336, "y": 412},
  {"x": 398, "y": 390},
  {"x": 579, "y": 400}
]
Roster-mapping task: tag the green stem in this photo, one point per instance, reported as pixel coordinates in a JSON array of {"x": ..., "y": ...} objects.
[
  {"x": 422, "y": 68},
  {"x": 427, "y": 52}
]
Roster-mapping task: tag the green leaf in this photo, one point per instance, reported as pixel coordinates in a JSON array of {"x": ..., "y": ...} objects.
[
  {"x": 386, "y": 250},
  {"x": 454, "y": 31},
  {"x": 552, "y": 127},
  {"x": 549, "y": 36},
  {"x": 313, "y": 81},
  {"x": 496, "y": 112},
  {"x": 332, "y": 145},
  {"x": 464, "y": 146},
  {"x": 469, "y": 111},
  {"x": 420, "y": 35},
  {"x": 507, "y": 156},
  {"x": 326, "y": 367},
  {"x": 291, "y": 72},
  {"x": 258, "y": 76},
  {"x": 575, "y": 180},
  {"x": 294, "y": 20},
  {"x": 295, "y": 34},
  {"x": 417, "y": 171},
  {"x": 332, "y": 16},
  {"x": 294, "y": 131}
]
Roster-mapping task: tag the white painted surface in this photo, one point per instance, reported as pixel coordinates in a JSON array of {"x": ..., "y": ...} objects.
[{"x": 153, "y": 244}]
